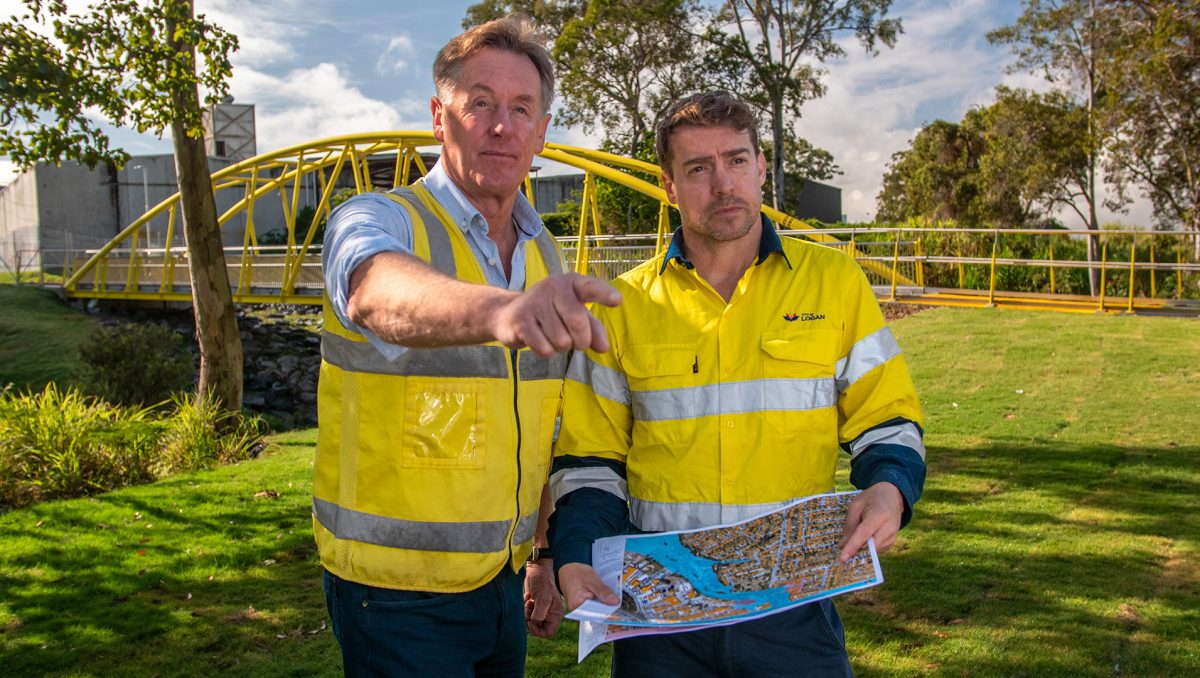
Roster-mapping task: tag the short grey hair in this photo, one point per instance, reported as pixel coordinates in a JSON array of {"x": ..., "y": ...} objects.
[{"x": 511, "y": 34}]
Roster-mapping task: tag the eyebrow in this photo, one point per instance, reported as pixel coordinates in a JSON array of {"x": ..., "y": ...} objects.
[
  {"x": 481, "y": 88},
  {"x": 744, "y": 150}
]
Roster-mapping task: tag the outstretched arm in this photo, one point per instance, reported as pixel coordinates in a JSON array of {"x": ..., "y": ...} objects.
[{"x": 407, "y": 302}]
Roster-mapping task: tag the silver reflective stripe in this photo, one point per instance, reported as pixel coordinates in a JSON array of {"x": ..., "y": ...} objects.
[
  {"x": 455, "y": 361},
  {"x": 441, "y": 253},
  {"x": 471, "y": 537},
  {"x": 533, "y": 366},
  {"x": 735, "y": 397},
  {"x": 905, "y": 435},
  {"x": 550, "y": 255},
  {"x": 568, "y": 480},
  {"x": 662, "y": 516},
  {"x": 525, "y": 529},
  {"x": 602, "y": 380},
  {"x": 868, "y": 353}
]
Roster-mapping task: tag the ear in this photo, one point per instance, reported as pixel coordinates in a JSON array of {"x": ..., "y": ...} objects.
[
  {"x": 762, "y": 168},
  {"x": 669, "y": 187},
  {"x": 436, "y": 110}
]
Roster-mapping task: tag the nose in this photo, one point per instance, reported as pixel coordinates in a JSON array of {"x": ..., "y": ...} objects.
[
  {"x": 501, "y": 122},
  {"x": 722, "y": 180}
]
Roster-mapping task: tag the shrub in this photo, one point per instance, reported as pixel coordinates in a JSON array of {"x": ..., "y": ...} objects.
[
  {"x": 136, "y": 364},
  {"x": 64, "y": 444},
  {"x": 200, "y": 435},
  {"x": 58, "y": 444}
]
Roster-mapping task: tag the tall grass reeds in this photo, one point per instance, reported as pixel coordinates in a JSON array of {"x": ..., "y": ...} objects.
[{"x": 61, "y": 443}]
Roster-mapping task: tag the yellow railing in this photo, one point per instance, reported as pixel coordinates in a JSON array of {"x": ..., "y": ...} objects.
[
  {"x": 125, "y": 268},
  {"x": 912, "y": 263}
]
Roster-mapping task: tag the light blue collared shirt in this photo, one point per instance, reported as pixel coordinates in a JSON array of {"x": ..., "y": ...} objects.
[{"x": 370, "y": 223}]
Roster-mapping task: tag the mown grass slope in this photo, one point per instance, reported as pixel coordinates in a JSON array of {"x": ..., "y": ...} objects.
[{"x": 1059, "y": 534}]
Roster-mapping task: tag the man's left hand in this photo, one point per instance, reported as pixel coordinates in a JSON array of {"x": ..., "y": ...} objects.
[
  {"x": 876, "y": 512},
  {"x": 543, "y": 602}
]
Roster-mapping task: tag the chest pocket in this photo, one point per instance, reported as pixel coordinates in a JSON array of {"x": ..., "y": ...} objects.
[
  {"x": 799, "y": 370},
  {"x": 662, "y": 384}
]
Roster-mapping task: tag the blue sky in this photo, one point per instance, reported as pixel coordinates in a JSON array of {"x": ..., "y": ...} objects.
[{"x": 317, "y": 68}]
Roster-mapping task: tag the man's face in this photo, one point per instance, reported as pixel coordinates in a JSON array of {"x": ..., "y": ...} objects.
[
  {"x": 492, "y": 125},
  {"x": 716, "y": 178}
]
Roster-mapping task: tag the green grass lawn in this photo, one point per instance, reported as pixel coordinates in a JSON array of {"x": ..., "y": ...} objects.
[
  {"x": 39, "y": 337},
  {"x": 1059, "y": 534}
]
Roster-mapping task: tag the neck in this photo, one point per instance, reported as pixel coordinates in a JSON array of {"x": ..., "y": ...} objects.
[
  {"x": 497, "y": 211},
  {"x": 722, "y": 263}
]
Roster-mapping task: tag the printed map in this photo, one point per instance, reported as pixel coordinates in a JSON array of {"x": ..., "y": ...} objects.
[{"x": 681, "y": 581}]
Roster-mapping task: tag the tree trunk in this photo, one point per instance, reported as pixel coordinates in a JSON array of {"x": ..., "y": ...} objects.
[
  {"x": 217, "y": 332},
  {"x": 777, "y": 176}
]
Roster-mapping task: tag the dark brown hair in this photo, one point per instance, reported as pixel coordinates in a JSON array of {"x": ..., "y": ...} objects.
[
  {"x": 706, "y": 109},
  {"x": 511, "y": 34}
]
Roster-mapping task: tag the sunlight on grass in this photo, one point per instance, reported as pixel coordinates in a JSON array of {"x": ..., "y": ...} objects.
[{"x": 1059, "y": 534}]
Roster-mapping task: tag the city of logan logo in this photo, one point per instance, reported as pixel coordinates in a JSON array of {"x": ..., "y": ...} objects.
[{"x": 802, "y": 317}]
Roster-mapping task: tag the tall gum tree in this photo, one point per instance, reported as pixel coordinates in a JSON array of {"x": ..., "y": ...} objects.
[
  {"x": 770, "y": 51},
  {"x": 1067, "y": 40},
  {"x": 135, "y": 63}
]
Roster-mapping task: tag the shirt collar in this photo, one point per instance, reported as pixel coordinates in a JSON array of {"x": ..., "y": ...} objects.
[
  {"x": 460, "y": 209},
  {"x": 768, "y": 244}
]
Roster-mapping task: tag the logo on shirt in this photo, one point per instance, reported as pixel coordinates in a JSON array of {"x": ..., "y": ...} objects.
[{"x": 803, "y": 317}]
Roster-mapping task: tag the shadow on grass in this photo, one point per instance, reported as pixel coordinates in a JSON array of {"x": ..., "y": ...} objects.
[
  {"x": 177, "y": 578},
  {"x": 1023, "y": 559},
  {"x": 1028, "y": 559}
]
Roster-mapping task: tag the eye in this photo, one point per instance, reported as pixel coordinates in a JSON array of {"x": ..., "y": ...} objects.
[{"x": 522, "y": 110}]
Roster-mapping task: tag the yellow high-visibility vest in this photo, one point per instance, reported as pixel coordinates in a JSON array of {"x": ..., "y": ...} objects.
[{"x": 429, "y": 468}]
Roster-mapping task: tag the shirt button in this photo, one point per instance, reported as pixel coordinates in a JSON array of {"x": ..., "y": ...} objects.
[
  {"x": 729, "y": 424},
  {"x": 491, "y": 262}
]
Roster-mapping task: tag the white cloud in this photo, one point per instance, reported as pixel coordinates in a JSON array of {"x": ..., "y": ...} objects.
[
  {"x": 312, "y": 103},
  {"x": 8, "y": 172},
  {"x": 396, "y": 57}
]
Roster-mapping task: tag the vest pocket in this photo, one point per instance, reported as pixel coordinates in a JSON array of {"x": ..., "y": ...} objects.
[{"x": 443, "y": 425}]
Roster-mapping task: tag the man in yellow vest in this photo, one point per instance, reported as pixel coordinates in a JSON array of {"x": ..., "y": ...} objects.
[
  {"x": 742, "y": 363},
  {"x": 446, "y": 325}
]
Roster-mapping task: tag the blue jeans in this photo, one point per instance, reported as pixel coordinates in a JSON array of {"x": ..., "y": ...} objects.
[
  {"x": 386, "y": 632},
  {"x": 806, "y": 641}
]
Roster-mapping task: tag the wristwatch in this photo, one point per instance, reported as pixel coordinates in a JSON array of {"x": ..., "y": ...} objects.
[{"x": 540, "y": 553}]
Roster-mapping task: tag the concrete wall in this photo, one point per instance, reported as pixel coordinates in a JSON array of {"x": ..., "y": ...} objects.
[
  {"x": 18, "y": 221},
  {"x": 77, "y": 209}
]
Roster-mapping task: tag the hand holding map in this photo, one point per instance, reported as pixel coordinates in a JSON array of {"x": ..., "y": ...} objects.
[{"x": 680, "y": 581}]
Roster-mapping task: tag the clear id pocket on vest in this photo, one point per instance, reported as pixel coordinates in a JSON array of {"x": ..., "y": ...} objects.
[{"x": 443, "y": 425}]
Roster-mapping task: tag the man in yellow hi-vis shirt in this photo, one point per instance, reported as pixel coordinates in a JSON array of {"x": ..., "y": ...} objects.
[{"x": 741, "y": 364}]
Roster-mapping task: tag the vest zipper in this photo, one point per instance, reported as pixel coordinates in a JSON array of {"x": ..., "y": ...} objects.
[{"x": 517, "y": 416}]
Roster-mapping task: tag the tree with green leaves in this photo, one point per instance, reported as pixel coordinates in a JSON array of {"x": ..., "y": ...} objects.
[
  {"x": 136, "y": 64},
  {"x": 936, "y": 178},
  {"x": 1067, "y": 40},
  {"x": 765, "y": 50},
  {"x": 1153, "y": 99}
]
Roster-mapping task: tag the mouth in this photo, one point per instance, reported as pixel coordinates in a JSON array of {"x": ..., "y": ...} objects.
[{"x": 499, "y": 154}]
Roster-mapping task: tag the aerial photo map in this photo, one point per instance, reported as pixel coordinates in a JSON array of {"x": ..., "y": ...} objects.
[{"x": 679, "y": 581}]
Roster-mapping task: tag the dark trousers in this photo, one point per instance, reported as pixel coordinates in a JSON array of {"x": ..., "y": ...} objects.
[
  {"x": 806, "y": 641},
  {"x": 384, "y": 632}
]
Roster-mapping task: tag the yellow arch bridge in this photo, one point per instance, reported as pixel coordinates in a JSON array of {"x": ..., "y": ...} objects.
[{"x": 915, "y": 263}]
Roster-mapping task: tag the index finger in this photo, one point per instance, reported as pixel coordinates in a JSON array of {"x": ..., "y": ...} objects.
[{"x": 588, "y": 289}]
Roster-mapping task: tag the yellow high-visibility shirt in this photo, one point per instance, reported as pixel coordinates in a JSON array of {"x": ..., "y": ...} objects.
[{"x": 719, "y": 411}]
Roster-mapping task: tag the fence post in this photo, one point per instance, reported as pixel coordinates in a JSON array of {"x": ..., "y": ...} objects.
[
  {"x": 1103, "y": 273},
  {"x": 1053, "y": 289},
  {"x": 1153, "y": 273},
  {"x": 920, "y": 264},
  {"x": 1179, "y": 269},
  {"x": 1132, "y": 271},
  {"x": 895, "y": 263},
  {"x": 992, "y": 281}
]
